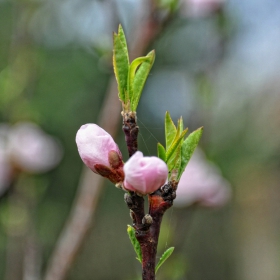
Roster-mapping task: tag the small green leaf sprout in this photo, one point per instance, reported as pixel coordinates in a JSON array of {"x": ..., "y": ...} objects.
[
  {"x": 131, "y": 78},
  {"x": 178, "y": 150}
]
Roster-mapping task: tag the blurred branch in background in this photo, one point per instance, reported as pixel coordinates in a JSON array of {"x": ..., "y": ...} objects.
[{"x": 89, "y": 190}]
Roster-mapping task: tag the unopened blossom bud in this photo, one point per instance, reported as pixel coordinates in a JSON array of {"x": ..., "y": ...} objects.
[
  {"x": 201, "y": 183},
  {"x": 99, "y": 152},
  {"x": 144, "y": 175},
  {"x": 30, "y": 149}
]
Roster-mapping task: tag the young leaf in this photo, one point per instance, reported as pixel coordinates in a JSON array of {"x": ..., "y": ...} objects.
[
  {"x": 132, "y": 70},
  {"x": 123, "y": 39},
  {"x": 180, "y": 125},
  {"x": 175, "y": 160},
  {"x": 188, "y": 148},
  {"x": 170, "y": 130},
  {"x": 175, "y": 144},
  {"x": 161, "y": 152},
  {"x": 140, "y": 79},
  {"x": 134, "y": 242},
  {"x": 120, "y": 63},
  {"x": 164, "y": 257}
]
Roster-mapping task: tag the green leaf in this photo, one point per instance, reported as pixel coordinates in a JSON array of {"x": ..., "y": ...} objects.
[
  {"x": 123, "y": 39},
  {"x": 121, "y": 63},
  {"x": 132, "y": 70},
  {"x": 175, "y": 144},
  {"x": 161, "y": 152},
  {"x": 175, "y": 161},
  {"x": 170, "y": 130},
  {"x": 174, "y": 158},
  {"x": 164, "y": 257},
  {"x": 188, "y": 148},
  {"x": 180, "y": 125},
  {"x": 134, "y": 242},
  {"x": 140, "y": 78}
]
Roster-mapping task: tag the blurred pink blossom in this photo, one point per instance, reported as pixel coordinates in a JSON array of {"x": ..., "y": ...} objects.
[
  {"x": 200, "y": 8},
  {"x": 202, "y": 183},
  {"x": 94, "y": 145},
  {"x": 30, "y": 149},
  {"x": 144, "y": 174}
]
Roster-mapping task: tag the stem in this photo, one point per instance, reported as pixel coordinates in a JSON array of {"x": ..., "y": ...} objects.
[
  {"x": 147, "y": 233},
  {"x": 148, "y": 241},
  {"x": 130, "y": 130},
  {"x": 159, "y": 202},
  {"x": 136, "y": 205},
  {"x": 83, "y": 210}
]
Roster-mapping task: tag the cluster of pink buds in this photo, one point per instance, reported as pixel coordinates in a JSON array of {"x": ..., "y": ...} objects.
[
  {"x": 201, "y": 182},
  {"x": 101, "y": 154},
  {"x": 161, "y": 178}
]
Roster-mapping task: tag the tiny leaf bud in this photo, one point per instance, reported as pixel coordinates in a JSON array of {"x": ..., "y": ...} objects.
[{"x": 147, "y": 220}]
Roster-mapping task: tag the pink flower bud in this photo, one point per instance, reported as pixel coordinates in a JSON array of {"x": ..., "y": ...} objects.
[
  {"x": 99, "y": 152},
  {"x": 144, "y": 174},
  {"x": 202, "y": 183}
]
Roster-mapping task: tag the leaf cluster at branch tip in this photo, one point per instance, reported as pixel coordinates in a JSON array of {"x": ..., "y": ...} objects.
[
  {"x": 131, "y": 78},
  {"x": 178, "y": 150}
]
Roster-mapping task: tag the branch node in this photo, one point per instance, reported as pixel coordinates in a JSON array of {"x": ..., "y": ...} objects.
[{"x": 147, "y": 220}]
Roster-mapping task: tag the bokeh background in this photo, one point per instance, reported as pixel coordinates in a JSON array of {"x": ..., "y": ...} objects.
[{"x": 217, "y": 65}]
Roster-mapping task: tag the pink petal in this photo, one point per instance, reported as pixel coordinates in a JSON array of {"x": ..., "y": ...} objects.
[
  {"x": 94, "y": 145},
  {"x": 144, "y": 174}
]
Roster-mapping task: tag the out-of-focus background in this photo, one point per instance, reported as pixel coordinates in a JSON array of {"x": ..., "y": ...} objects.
[{"x": 217, "y": 64}]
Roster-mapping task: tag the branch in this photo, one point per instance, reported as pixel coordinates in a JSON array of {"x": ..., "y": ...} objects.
[
  {"x": 83, "y": 210},
  {"x": 159, "y": 202},
  {"x": 90, "y": 186},
  {"x": 130, "y": 129}
]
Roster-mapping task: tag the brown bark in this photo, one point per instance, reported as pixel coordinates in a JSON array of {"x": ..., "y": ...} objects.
[
  {"x": 159, "y": 202},
  {"x": 130, "y": 129},
  {"x": 146, "y": 232}
]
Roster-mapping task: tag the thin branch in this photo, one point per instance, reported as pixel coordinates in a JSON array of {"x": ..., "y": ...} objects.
[
  {"x": 159, "y": 202},
  {"x": 130, "y": 129},
  {"x": 83, "y": 210},
  {"x": 90, "y": 186}
]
